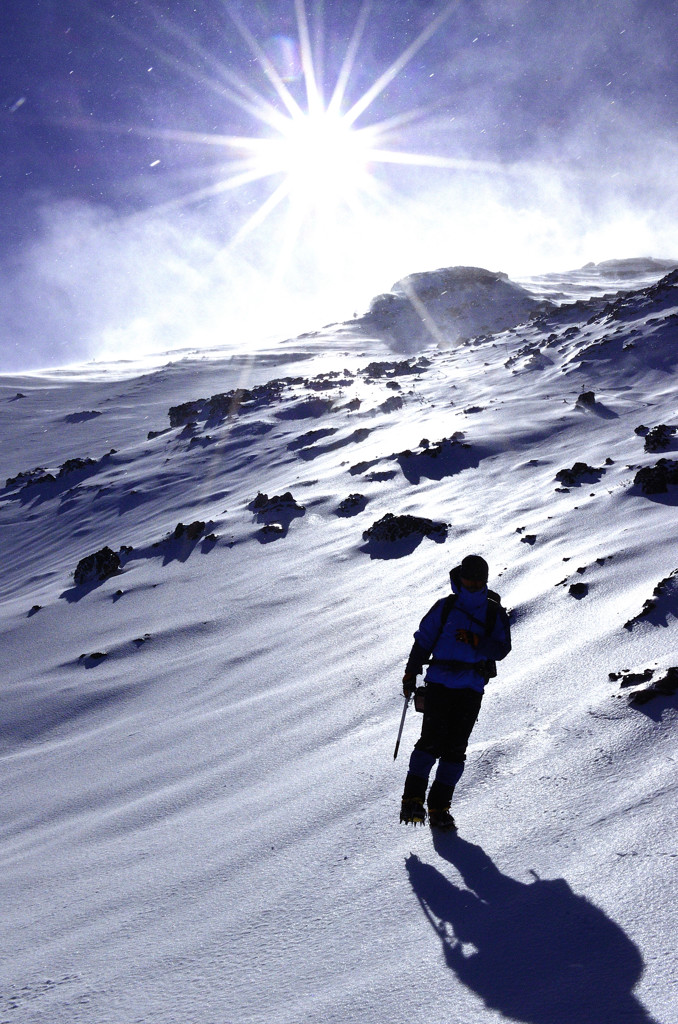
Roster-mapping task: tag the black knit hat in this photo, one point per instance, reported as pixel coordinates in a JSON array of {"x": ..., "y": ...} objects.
[{"x": 473, "y": 567}]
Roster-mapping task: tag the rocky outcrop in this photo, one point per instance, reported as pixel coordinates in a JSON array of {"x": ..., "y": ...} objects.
[
  {"x": 449, "y": 305},
  {"x": 191, "y": 532},
  {"x": 664, "y": 602},
  {"x": 666, "y": 686},
  {"x": 230, "y": 403},
  {"x": 97, "y": 567},
  {"x": 389, "y": 370},
  {"x": 579, "y": 473},
  {"x": 657, "y": 479},
  {"x": 275, "y": 514},
  {"x": 352, "y": 505},
  {"x": 392, "y": 528},
  {"x": 659, "y": 438},
  {"x": 436, "y": 460},
  {"x": 45, "y": 483}
]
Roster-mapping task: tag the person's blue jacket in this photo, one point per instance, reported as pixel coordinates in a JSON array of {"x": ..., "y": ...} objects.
[{"x": 449, "y": 656}]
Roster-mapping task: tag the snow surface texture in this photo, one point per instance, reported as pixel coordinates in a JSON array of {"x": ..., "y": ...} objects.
[{"x": 200, "y": 803}]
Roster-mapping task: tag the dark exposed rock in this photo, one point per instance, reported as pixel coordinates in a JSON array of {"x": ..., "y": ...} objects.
[
  {"x": 30, "y": 476},
  {"x": 275, "y": 513},
  {"x": 75, "y": 467},
  {"x": 432, "y": 460},
  {"x": 230, "y": 403},
  {"x": 362, "y": 467},
  {"x": 381, "y": 476},
  {"x": 581, "y": 570},
  {"x": 392, "y": 528},
  {"x": 531, "y": 350},
  {"x": 404, "y": 367},
  {"x": 351, "y": 505},
  {"x": 627, "y": 678},
  {"x": 271, "y": 531},
  {"x": 72, "y": 465},
  {"x": 578, "y": 590},
  {"x": 656, "y": 479},
  {"x": 218, "y": 407},
  {"x": 325, "y": 381},
  {"x": 587, "y": 398},
  {"x": 176, "y": 545},
  {"x": 306, "y": 408},
  {"x": 665, "y": 687},
  {"x": 82, "y": 417},
  {"x": 191, "y": 532},
  {"x": 438, "y": 459},
  {"x": 392, "y": 403},
  {"x": 664, "y": 600},
  {"x": 579, "y": 473},
  {"x": 262, "y": 503},
  {"x": 94, "y": 657},
  {"x": 187, "y": 412},
  {"x": 97, "y": 567},
  {"x": 659, "y": 438},
  {"x": 437, "y": 449}
]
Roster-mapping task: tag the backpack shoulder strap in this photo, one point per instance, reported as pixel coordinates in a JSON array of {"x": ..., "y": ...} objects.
[
  {"x": 493, "y": 606},
  {"x": 449, "y": 604}
]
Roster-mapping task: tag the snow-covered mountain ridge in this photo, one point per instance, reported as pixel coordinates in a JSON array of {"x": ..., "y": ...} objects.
[{"x": 201, "y": 801}]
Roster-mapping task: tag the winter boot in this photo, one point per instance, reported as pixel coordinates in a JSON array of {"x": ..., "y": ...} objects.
[
  {"x": 439, "y": 800},
  {"x": 412, "y": 810}
]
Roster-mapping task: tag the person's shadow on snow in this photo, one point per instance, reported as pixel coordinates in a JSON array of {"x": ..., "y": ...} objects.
[{"x": 536, "y": 951}]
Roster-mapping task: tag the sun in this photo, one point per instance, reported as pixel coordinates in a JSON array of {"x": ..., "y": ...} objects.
[{"x": 324, "y": 162}]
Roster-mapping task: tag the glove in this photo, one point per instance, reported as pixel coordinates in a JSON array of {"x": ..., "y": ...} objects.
[
  {"x": 465, "y": 636},
  {"x": 409, "y": 684}
]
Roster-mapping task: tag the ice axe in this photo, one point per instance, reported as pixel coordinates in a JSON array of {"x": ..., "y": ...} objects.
[{"x": 400, "y": 730}]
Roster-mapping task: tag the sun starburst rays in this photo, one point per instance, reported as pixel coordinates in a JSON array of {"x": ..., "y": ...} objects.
[
  {"x": 325, "y": 160},
  {"x": 398, "y": 65},
  {"x": 312, "y": 158}
]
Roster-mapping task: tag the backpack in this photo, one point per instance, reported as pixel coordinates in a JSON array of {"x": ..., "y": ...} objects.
[{"x": 488, "y": 668}]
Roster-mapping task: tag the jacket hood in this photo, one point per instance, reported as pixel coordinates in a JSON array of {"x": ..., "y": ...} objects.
[{"x": 470, "y": 599}]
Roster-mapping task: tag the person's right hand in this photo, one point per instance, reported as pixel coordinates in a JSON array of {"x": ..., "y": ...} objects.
[{"x": 409, "y": 684}]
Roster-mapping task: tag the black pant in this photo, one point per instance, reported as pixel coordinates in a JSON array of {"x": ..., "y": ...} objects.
[{"x": 449, "y": 717}]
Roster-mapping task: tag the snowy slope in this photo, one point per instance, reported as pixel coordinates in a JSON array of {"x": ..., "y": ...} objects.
[{"x": 200, "y": 812}]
